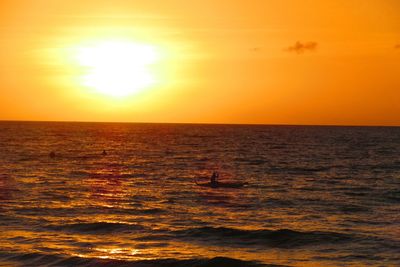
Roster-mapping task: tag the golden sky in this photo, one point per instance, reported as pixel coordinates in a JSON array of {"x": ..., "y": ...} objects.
[{"x": 219, "y": 61}]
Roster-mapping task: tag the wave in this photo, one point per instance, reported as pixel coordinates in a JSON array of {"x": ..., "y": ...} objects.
[
  {"x": 91, "y": 175},
  {"x": 282, "y": 238},
  {"x": 305, "y": 170},
  {"x": 222, "y": 236},
  {"x": 392, "y": 196},
  {"x": 99, "y": 227},
  {"x": 351, "y": 208},
  {"x": 299, "y": 170},
  {"x": 40, "y": 259},
  {"x": 149, "y": 211}
]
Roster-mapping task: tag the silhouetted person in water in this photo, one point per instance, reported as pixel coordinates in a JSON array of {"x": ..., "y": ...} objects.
[
  {"x": 213, "y": 179},
  {"x": 104, "y": 153},
  {"x": 52, "y": 154}
]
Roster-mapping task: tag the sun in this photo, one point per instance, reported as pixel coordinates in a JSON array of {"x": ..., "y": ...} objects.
[{"x": 118, "y": 68}]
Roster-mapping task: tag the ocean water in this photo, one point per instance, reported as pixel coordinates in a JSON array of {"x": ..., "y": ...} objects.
[{"x": 317, "y": 196}]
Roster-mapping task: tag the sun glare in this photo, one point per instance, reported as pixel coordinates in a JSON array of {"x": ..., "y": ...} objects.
[{"x": 118, "y": 68}]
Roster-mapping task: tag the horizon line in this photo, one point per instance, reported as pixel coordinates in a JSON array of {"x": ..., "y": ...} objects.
[{"x": 206, "y": 123}]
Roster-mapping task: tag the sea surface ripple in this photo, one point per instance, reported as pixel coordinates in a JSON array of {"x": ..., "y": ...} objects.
[{"x": 317, "y": 196}]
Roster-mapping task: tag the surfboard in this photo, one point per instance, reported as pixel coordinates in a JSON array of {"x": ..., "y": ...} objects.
[{"x": 222, "y": 185}]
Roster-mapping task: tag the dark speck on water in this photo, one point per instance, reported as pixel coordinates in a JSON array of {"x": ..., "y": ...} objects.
[{"x": 125, "y": 195}]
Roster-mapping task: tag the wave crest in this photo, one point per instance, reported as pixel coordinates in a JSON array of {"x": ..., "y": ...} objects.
[
  {"x": 99, "y": 227},
  {"x": 282, "y": 238},
  {"x": 40, "y": 259}
]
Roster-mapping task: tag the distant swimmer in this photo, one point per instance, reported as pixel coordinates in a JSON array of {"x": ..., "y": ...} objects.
[
  {"x": 52, "y": 154},
  {"x": 104, "y": 153},
  {"x": 213, "y": 178}
]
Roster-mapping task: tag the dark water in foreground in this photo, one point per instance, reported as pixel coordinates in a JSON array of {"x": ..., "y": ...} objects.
[{"x": 317, "y": 196}]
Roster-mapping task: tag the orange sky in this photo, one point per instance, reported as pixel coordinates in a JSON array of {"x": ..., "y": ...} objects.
[{"x": 221, "y": 61}]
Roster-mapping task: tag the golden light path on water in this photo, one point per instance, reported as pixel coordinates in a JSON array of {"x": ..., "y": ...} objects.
[{"x": 108, "y": 193}]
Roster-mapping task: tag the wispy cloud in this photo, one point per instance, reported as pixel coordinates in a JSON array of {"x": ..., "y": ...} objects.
[
  {"x": 302, "y": 47},
  {"x": 397, "y": 46}
]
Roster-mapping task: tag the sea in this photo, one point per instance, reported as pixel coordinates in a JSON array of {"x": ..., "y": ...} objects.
[{"x": 315, "y": 195}]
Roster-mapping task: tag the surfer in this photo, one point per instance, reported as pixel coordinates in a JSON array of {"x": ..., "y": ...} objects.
[
  {"x": 104, "y": 153},
  {"x": 213, "y": 178},
  {"x": 52, "y": 154},
  {"x": 215, "y": 184}
]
